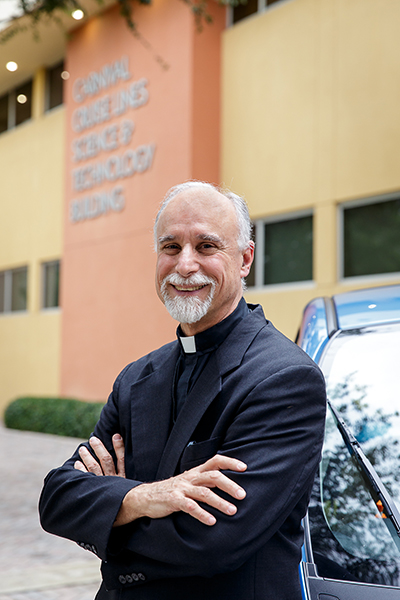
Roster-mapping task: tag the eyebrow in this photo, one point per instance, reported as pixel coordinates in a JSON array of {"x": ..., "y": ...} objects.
[
  {"x": 166, "y": 238},
  {"x": 206, "y": 237}
]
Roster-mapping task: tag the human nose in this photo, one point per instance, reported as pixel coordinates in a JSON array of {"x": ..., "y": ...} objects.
[{"x": 187, "y": 262}]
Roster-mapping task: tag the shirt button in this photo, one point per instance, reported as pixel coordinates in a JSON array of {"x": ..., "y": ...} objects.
[
  {"x": 128, "y": 579},
  {"x": 135, "y": 576},
  {"x": 122, "y": 579},
  {"x": 141, "y": 576}
]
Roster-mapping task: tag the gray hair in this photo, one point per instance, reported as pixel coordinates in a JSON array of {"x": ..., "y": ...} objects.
[{"x": 239, "y": 204}]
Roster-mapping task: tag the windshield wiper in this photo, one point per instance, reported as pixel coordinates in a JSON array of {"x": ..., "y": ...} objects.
[{"x": 386, "y": 506}]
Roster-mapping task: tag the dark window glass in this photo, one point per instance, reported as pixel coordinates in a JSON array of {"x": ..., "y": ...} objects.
[
  {"x": 288, "y": 251},
  {"x": 372, "y": 239},
  {"x": 51, "y": 284},
  {"x": 1, "y": 292},
  {"x": 23, "y": 103},
  {"x": 3, "y": 113},
  {"x": 55, "y": 86},
  {"x": 244, "y": 10},
  {"x": 250, "y": 279},
  {"x": 350, "y": 540},
  {"x": 19, "y": 289}
]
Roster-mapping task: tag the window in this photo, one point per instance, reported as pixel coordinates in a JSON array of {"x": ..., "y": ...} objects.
[
  {"x": 55, "y": 86},
  {"x": 51, "y": 284},
  {"x": 241, "y": 11},
  {"x": 16, "y": 106},
  {"x": 4, "y": 113},
  {"x": 23, "y": 103},
  {"x": 13, "y": 290},
  {"x": 371, "y": 238},
  {"x": 284, "y": 251}
]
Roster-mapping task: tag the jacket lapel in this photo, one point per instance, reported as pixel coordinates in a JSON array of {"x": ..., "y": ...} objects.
[
  {"x": 151, "y": 411},
  {"x": 228, "y": 357}
]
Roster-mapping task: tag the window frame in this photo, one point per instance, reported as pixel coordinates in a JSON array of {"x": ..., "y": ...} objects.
[
  {"x": 356, "y": 279},
  {"x": 47, "y": 107},
  {"x": 8, "y": 290},
  {"x": 259, "y": 233},
  {"x": 11, "y": 96},
  {"x": 262, "y": 5},
  {"x": 43, "y": 282}
]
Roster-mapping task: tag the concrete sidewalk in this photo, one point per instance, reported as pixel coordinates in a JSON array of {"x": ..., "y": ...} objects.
[{"x": 33, "y": 564}]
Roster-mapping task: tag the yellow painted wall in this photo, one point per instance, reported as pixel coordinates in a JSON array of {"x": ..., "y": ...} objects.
[
  {"x": 310, "y": 120},
  {"x": 31, "y": 190}
]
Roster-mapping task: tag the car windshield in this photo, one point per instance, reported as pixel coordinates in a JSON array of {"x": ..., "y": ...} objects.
[{"x": 351, "y": 536}]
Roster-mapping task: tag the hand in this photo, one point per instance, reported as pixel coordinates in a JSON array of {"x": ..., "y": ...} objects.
[
  {"x": 106, "y": 466},
  {"x": 183, "y": 492}
]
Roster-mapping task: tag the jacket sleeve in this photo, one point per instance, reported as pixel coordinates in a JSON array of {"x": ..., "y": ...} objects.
[
  {"x": 82, "y": 506},
  {"x": 278, "y": 432}
]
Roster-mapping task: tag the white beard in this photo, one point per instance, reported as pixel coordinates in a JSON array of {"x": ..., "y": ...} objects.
[{"x": 187, "y": 310}]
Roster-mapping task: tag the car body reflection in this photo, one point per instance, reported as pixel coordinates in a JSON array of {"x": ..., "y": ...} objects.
[{"x": 352, "y": 548}]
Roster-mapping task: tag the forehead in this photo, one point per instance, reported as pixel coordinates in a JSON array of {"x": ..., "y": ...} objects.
[{"x": 201, "y": 210}]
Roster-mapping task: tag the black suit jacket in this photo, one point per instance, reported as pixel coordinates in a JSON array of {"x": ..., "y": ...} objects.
[{"x": 259, "y": 399}]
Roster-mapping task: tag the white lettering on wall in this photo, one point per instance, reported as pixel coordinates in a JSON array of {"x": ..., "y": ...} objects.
[
  {"x": 113, "y": 168},
  {"x": 111, "y": 138},
  {"x": 97, "y": 205},
  {"x": 101, "y": 80},
  {"x": 110, "y": 106}
]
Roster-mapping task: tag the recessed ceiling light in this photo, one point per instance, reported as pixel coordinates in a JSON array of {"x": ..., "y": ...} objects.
[
  {"x": 11, "y": 66},
  {"x": 21, "y": 98},
  {"x": 65, "y": 75},
  {"x": 77, "y": 14}
]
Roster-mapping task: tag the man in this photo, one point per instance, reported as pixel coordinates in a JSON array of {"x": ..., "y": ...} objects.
[{"x": 200, "y": 470}]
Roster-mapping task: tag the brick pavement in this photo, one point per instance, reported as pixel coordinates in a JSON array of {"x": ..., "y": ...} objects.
[{"x": 33, "y": 564}]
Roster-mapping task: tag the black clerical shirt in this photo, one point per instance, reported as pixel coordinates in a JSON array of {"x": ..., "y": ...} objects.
[{"x": 196, "y": 351}]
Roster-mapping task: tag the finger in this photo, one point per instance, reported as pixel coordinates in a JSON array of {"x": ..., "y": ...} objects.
[
  {"x": 105, "y": 458},
  {"x": 89, "y": 462},
  {"x": 80, "y": 466},
  {"x": 222, "y": 482},
  {"x": 225, "y": 463},
  {"x": 119, "y": 448},
  {"x": 193, "y": 509},
  {"x": 207, "y": 496}
]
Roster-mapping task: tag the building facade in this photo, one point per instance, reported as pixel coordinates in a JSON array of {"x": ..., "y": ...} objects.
[{"x": 292, "y": 103}]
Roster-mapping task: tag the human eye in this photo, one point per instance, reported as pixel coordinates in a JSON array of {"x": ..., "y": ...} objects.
[
  {"x": 207, "y": 247},
  {"x": 170, "y": 248}
]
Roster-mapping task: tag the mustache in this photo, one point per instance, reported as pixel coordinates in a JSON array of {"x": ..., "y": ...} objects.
[{"x": 193, "y": 280}]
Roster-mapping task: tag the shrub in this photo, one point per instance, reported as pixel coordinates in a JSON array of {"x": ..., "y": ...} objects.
[{"x": 60, "y": 416}]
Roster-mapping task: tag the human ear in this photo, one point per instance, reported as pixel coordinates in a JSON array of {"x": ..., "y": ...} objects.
[{"x": 247, "y": 259}]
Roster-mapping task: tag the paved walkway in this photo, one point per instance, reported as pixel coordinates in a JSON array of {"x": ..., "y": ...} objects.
[{"x": 33, "y": 564}]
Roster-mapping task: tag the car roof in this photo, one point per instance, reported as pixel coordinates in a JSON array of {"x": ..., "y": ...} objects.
[
  {"x": 367, "y": 307},
  {"x": 360, "y": 308}
]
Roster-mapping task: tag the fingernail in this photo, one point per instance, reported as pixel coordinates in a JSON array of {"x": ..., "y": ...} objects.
[
  {"x": 241, "y": 466},
  {"x": 231, "y": 509},
  {"x": 117, "y": 437},
  {"x": 211, "y": 520},
  {"x": 240, "y": 494}
]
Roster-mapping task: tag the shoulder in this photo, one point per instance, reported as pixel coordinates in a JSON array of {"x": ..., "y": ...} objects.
[
  {"x": 147, "y": 364},
  {"x": 274, "y": 351}
]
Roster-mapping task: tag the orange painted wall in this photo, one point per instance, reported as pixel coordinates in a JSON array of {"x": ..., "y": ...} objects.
[{"x": 111, "y": 314}]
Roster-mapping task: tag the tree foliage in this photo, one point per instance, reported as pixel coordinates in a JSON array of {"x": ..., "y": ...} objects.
[{"x": 44, "y": 11}]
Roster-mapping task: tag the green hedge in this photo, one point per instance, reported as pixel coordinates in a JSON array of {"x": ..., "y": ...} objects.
[{"x": 60, "y": 416}]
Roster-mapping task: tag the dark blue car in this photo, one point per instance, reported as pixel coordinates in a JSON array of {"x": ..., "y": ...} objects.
[{"x": 352, "y": 530}]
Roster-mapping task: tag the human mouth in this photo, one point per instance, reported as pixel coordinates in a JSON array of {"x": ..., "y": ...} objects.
[{"x": 188, "y": 289}]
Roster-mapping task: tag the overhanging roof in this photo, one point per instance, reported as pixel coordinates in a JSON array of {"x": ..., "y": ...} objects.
[{"x": 30, "y": 54}]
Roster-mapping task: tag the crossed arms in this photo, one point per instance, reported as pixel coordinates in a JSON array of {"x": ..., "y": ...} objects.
[{"x": 162, "y": 498}]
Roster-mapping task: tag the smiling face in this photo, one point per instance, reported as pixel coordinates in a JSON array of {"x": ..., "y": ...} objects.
[{"x": 199, "y": 264}]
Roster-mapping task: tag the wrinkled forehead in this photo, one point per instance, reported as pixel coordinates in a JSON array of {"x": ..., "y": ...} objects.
[{"x": 199, "y": 208}]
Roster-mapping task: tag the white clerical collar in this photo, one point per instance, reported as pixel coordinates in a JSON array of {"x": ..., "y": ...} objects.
[{"x": 188, "y": 344}]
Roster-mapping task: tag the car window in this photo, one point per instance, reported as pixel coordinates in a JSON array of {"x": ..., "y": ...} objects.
[{"x": 351, "y": 537}]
